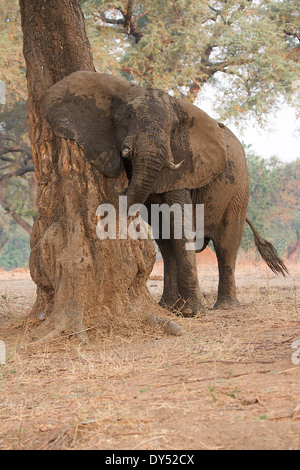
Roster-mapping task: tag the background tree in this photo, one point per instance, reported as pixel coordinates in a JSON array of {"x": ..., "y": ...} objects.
[
  {"x": 274, "y": 202},
  {"x": 12, "y": 64},
  {"x": 16, "y": 162},
  {"x": 14, "y": 245},
  {"x": 17, "y": 187},
  {"x": 286, "y": 211}
]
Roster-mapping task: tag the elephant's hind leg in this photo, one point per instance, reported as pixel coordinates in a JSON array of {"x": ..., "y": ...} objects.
[
  {"x": 227, "y": 287},
  {"x": 226, "y": 245}
]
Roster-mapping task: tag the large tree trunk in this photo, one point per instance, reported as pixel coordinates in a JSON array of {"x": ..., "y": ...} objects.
[{"x": 81, "y": 281}]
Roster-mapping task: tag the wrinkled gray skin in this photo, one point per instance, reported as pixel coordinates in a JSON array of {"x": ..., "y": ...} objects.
[{"x": 117, "y": 123}]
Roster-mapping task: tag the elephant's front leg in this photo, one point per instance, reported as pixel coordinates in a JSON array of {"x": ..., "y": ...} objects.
[
  {"x": 170, "y": 292},
  {"x": 187, "y": 278}
]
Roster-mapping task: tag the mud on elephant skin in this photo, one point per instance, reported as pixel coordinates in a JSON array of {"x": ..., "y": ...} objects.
[{"x": 172, "y": 152}]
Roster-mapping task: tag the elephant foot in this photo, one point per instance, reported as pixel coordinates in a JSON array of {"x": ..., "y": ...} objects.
[
  {"x": 189, "y": 308},
  {"x": 169, "y": 302},
  {"x": 226, "y": 304},
  {"x": 181, "y": 307}
]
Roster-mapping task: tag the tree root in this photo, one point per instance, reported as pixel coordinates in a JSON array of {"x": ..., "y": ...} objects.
[
  {"x": 168, "y": 326},
  {"x": 49, "y": 330},
  {"x": 63, "y": 329}
]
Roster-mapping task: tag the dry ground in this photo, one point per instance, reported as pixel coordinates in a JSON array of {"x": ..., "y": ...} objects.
[{"x": 230, "y": 383}]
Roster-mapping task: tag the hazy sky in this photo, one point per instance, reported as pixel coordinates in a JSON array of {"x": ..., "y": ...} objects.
[{"x": 283, "y": 141}]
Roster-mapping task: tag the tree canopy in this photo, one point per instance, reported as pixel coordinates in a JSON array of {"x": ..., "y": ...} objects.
[{"x": 248, "y": 50}]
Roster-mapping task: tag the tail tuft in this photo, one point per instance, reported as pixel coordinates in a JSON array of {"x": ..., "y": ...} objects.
[
  {"x": 268, "y": 253},
  {"x": 270, "y": 256}
]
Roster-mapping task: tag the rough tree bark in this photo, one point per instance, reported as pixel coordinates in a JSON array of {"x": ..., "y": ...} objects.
[{"x": 81, "y": 281}]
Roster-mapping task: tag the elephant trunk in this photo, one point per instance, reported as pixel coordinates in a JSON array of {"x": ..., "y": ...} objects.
[{"x": 149, "y": 159}]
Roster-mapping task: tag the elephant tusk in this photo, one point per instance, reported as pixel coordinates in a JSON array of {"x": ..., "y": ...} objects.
[
  {"x": 175, "y": 166},
  {"x": 125, "y": 152}
]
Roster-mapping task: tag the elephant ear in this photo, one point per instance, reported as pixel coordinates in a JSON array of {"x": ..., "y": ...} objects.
[
  {"x": 197, "y": 139},
  {"x": 78, "y": 107}
]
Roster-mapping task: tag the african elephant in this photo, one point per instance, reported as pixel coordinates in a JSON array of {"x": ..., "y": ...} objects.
[{"x": 173, "y": 153}]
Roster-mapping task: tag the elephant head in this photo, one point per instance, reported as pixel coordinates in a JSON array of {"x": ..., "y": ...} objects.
[{"x": 167, "y": 143}]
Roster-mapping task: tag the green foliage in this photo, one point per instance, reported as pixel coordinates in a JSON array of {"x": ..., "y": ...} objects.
[
  {"x": 15, "y": 155},
  {"x": 247, "y": 49},
  {"x": 285, "y": 214},
  {"x": 107, "y": 43},
  {"x": 264, "y": 183},
  {"x": 274, "y": 201},
  {"x": 12, "y": 64},
  {"x": 13, "y": 120},
  {"x": 14, "y": 193},
  {"x": 16, "y": 252}
]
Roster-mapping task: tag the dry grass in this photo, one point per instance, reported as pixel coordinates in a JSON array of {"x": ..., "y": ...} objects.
[{"x": 229, "y": 383}]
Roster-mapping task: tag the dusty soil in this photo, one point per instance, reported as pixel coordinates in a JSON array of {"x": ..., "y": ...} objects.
[{"x": 229, "y": 383}]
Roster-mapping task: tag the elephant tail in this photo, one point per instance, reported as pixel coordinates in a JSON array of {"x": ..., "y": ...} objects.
[{"x": 268, "y": 252}]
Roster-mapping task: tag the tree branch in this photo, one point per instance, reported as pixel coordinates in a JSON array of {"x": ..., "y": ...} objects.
[
  {"x": 128, "y": 23},
  {"x": 7, "y": 159},
  {"x": 19, "y": 172},
  {"x": 128, "y": 16},
  {"x": 16, "y": 217},
  {"x": 294, "y": 34}
]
